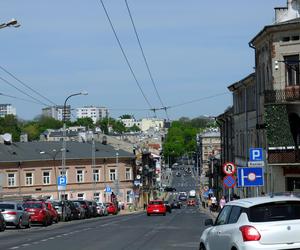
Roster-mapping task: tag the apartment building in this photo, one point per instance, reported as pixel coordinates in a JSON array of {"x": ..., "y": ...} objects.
[
  {"x": 32, "y": 169},
  {"x": 7, "y": 109},
  {"x": 57, "y": 112},
  {"x": 95, "y": 113}
]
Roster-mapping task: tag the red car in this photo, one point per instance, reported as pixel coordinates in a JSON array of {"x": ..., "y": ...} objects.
[
  {"x": 38, "y": 212},
  {"x": 191, "y": 203},
  {"x": 52, "y": 211},
  {"x": 111, "y": 208},
  {"x": 156, "y": 207}
]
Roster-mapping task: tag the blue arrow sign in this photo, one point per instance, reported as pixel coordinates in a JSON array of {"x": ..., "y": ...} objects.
[
  {"x": 107, "y": 189},
  {"x": 250, "y": 177},
  {"x": 62, "y": 180}
]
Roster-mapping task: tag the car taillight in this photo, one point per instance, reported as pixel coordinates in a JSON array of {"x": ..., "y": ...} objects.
[{"x": 250, "y": 233}]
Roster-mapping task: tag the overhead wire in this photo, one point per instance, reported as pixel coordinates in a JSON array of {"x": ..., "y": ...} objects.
[
  {"x": 19, "y": 98},
  {"x": 23, "y": 92},
  {"x": 144, "y": 57},
  {"x": 124, "y": 54},
  {"x": 26, "y": 85}
]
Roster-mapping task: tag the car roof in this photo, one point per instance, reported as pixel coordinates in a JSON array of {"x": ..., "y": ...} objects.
[{"x": 249, "y": 202}]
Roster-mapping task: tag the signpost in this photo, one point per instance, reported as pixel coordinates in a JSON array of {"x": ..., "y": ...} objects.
[
  {"x": 250, "y": 177},
  {"x": 62, "y": 182},
  {"x": 229, "y": 168},
  {"x": 256, "y": 158}
]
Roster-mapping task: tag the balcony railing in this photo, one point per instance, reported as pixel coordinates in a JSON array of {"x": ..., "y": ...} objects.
[
  {"x": 284, "y": 156},
  {"x": 287, "y": 95}
]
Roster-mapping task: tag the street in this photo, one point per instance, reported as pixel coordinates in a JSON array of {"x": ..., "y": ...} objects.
[{"x": 180, "y": 229}]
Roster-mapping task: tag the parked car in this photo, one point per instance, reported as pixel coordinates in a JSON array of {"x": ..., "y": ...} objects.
[
  {"x": 111, "y": 208},
  {"x": 191, "y": 203},
  {"x": 93, "y": 208},
  {"x": 269, "y": 222},
  {"x": 101, "y": 209},
  {"x": 176, "y": 204},
  {"x": 63, "y": 210},
  {"x": 168, "y": 206},
  {"x": 72, "y": 207},
  {"x": 2, "y": 223},
  {"x": 53, "y": 211},
  {"x": 14, "y": 214},
  {"x": 84, "y": 204},
  {"x": 38, "y": 212},
  {"x": 80, "y": 210},
  {"x": 156, "y": 207}
]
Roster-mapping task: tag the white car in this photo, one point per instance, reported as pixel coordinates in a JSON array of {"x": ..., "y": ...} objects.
[{"x": 269, "y": 222}]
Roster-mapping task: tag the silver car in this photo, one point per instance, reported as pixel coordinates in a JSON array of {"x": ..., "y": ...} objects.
[
  {"x": 14, "y": 214},
  {"x": 269, "y": 222},
  {"x": 101, "y": 209}
]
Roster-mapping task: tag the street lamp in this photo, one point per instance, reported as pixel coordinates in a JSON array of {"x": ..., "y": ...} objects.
[
  {"x": 64, "y": 142},
  {"x": 12, "y": 23},
  {"x": 53, "y": 155}
]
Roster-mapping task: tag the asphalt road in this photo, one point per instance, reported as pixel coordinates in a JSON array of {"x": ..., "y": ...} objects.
[{"x": 180, "y": 229}]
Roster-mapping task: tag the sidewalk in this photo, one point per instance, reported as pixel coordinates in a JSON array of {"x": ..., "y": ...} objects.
[
  {"x": 213, "y": 215},
  {"x": 127, "y": 211}
]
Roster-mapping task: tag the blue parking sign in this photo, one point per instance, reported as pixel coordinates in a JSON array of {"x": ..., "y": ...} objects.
[
  {"x": 62, "y": 180},
  {"x": 256, "y": 154}
]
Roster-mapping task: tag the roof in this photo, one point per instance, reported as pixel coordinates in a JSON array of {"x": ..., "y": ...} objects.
[
  {"x": 282, "y": 24},
  {"x": 39, "y": 151},
  {"x": 249, "y": 202}
]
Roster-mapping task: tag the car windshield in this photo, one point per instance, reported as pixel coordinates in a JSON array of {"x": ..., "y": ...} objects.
[
  {"x": 33, "y": 205},
  {"x": 7, "y": 206},
  {"x": 275, "y": 211}
]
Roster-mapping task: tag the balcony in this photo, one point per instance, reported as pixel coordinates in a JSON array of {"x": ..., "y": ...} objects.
[{"x": 290, "y": 94}]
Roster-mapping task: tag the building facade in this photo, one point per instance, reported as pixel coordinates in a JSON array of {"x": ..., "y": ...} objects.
[
  {"x": 95, "y": 113},
  {"x": 57, "y": 112},
  {"x": 32, "y": 169},
  {"x": 7, "y": 109}
]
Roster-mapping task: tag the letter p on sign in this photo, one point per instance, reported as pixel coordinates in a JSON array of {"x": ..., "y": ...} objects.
[{"x": 256, "y": 154}]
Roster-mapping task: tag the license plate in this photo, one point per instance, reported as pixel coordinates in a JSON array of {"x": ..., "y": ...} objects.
[
  {"x": 156, "y": 210},
  {"x": 31, "y": 212}
]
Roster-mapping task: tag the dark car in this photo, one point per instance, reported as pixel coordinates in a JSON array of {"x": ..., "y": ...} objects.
[
  {"x": 84, "y": 204},
  {"x": 168, "y": 206},
  {"x": 93, "y": 208},
  {"x": 176, "y": 205},
  {"x": 170, "y": 189},
  {"x": 2, "y": 222}
]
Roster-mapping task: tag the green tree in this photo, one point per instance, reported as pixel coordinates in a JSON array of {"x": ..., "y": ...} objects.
[
  {"x": 86, "y": 122},
  {"x": 9, "y": 124},
  {"x": 126, "y": 116}
]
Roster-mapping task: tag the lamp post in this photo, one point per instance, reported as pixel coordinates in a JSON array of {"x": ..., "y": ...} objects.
[
  {"x": 12, "y": 23},
  {"x": 64, "y": 142},
  {"x": 53, "y": 156}
]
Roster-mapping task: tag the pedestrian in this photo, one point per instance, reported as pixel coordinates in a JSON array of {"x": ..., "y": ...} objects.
[
  {"x": 222, "y": 202},
  {"x": 145, "y": 206},
  {"x": 213, "y": 203},
  {"x": 209, "y": 204}
]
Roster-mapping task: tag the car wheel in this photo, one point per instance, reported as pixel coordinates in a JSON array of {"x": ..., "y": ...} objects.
[
  {"x": 19, "y": 225},
  {"x": 29, "y": 223},
  {"x": 164, "y": 214},
  {"x": 202, "y": 247},
  {"x": 148, "y": 214},
  {"x": 45, "y": 222},
  {"x": 2, "y": 227}
]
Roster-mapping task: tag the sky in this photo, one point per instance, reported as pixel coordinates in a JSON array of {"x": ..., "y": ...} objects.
[{"x": 195, "y": 50}]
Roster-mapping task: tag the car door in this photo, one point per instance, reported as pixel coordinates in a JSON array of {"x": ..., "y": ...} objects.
[
  {"x": 216, "y": 242},
  {"x": 227, "y": 230}
]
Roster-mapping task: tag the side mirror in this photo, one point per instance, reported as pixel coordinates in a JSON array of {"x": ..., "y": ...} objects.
[{"x": 208, "y": 222}]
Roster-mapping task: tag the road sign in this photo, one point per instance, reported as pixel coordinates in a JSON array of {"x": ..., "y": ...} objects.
[
  {"x": 256, "y": 164},
  {"x": 256, "y": 154},
  {"x": 205, "y": 188},
  {"x": 250, "y": 177},
  {"x": 229, "y": 168},
  {"x": 107, "y": 189},
  {"x": 62, "y": 180},
  {"x": 229, "y": 181}
]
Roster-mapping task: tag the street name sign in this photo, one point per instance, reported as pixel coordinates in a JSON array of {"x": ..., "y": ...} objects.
[
  {"x": 250, "y": 177},
  {"x": 229, "y": 168}
]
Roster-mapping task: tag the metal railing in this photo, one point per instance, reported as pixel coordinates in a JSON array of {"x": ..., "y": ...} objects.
[{"x": 287, "y": 95}]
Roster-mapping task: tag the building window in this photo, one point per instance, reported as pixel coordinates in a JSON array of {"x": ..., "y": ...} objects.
[
  {"x": 46, "y": 178},
  {"x": 112, "y": 174},
  {"x": 128, "y": 174},
  {"x": 29, "y": 179},
  {"x": 292, "y": 70},
  {"x": 64, "y": 173},
  {"x": 79, "y": 175},
  {"x": 97, "y": 196},
  {"x": 11, "y": 180},
  {"x": 80, "y": 196},
  {"x": 96, "y": 175}
]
